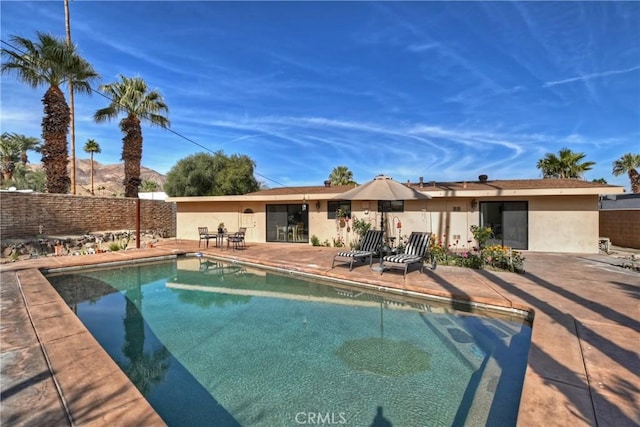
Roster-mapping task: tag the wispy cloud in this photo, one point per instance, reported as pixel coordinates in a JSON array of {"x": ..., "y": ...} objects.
[{"x": 591, "y": 76}]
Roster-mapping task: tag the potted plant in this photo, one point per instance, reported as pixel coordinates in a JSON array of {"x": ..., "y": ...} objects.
[{"x": 221, "y": 228}]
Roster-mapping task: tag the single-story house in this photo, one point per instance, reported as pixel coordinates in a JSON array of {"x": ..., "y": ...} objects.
[{"x": 550, "y": 215}]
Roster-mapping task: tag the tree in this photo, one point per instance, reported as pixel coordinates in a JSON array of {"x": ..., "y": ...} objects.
[
  {"x": 132, "y": 97},
  {"x": 26, "y": 143},
  {"x": 204, "y": 174},
  {"x": 600, "y": 181},
  {"x": 149, "y": 186},
  {"x": 91, "y": 147},
  {"x": 51, "y": 62},
  {"x": 629, "y": 164},
  {"x": 566, "y": 165},
  {"x": 27, "y": 179},
  {"x": 341, "y": 175},
  {"x": 9, "y": 154}
]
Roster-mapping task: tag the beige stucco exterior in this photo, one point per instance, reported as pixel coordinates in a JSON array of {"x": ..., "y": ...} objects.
[{"x": 558, "y": 219}]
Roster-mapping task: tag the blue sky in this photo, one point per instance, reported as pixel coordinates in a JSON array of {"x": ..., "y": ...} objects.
[{"x": 442, "y": 90}]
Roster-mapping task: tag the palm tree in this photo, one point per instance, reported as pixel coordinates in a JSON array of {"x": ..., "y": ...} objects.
[
  {"x": 149, "y": 186},
  {"x": 92, "y": 147},
  {"x": 26, "y": 143},
  {"x": 566, "y": 164},
  {"x": 341, "y": 175},
  {"x": 9, "y": 154},
  {"x": 132, "y": 97},
  {"x": 51, "y": 62},
  {"x": 628, "y": 164}
]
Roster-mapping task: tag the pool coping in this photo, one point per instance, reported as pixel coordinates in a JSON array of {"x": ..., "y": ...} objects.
[{"x": 558, "y": 388}]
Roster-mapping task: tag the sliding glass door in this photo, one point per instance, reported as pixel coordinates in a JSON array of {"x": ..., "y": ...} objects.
[
  {"x": 288, "y": 223},
  {"x": 509, "y": 222}
]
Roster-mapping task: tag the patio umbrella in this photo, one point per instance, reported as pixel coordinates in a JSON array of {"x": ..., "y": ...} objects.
[{"x": 383, "y": 188}]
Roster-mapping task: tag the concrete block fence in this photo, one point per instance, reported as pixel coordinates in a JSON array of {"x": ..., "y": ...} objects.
[
  {"x": 622, "y": 227},
  {"x": 27, "y": 215}
]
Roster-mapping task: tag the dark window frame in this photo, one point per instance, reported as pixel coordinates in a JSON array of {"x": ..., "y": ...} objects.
[
  {"x": 334, "y": 205},
  {"x": 390, "y": 205}
]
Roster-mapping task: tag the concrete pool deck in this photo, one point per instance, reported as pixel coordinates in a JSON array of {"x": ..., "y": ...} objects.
[{"x": 583, "y": 366}]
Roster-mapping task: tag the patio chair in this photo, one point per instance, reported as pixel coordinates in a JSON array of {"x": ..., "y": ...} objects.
[
  {"x": 369, "y": 245},
  {"x": 237, "y": 238},
  {"x": 415, "y": 252},
  {"x": 203, "y": 233}
]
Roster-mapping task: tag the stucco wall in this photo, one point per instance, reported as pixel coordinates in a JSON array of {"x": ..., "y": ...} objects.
[
  {"x": 24, "y": 215},
  {"x": 555, "y": 223},
  {"x": 563, "y": 224}
]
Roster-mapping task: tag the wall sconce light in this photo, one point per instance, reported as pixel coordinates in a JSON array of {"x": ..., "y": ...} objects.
[
  {"x": 474, "y": 203},
  {"x": 318, "y": 205}
]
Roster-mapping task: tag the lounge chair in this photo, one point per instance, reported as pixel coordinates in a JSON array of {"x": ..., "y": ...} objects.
[
  {"x": 415, "y": 252},
  {"x": 369, "y": 245}
]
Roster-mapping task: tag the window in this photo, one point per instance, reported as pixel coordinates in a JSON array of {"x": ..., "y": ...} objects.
[
  {"x": 508, "y": 221},
  {"x": 333, "y": 206},
  {"x": 390, "y": 206},
  {"x": 287, "y": 223}
]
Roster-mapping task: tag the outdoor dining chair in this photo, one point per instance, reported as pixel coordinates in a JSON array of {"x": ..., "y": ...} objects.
[
  {"x": 237, "y": 239},
  {"x": 203, "y": 233}
]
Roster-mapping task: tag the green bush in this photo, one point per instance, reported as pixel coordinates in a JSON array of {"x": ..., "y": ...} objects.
[{"x": 315, "y": 241}]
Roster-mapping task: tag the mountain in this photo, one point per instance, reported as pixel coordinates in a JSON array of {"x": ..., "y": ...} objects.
[{"x": 108, "y": 176}]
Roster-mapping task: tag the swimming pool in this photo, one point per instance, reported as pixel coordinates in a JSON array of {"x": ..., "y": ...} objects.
[{"x": 210, "y": 343}]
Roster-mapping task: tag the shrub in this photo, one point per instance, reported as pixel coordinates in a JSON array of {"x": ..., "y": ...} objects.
[
  {"x": 315, "y": 241},
  {"x": 481, "y": 234},
  {"x": 360, "y": 226},
  {"x": 504, "y": 258},
  {"x": 114, "y": 246},
  {"x": 494, "y": 256}
]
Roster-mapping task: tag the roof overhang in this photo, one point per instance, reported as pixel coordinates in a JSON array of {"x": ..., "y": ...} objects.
[{"x": 433, "y": 193}]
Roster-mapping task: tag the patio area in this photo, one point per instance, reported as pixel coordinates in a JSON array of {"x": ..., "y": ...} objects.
[{"x": 583, "y": 367}]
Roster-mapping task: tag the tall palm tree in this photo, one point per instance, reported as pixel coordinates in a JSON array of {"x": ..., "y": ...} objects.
[
  {"x": 341, "y": 175},
  {"x": 49, "y": 61},
  {"x": 132, "y": 97},
  {"x": 567, "y": 164},
  {"x": 629, "y": 163},
  {"x": 92, "y": 147},
  {"x": 67, "y": 25},
  {"x": 9, "y": 155}
]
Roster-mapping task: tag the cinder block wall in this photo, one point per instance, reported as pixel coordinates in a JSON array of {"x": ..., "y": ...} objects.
[
  {"x": 22, "y": 215},
  {"x": 621, "y": 226}
]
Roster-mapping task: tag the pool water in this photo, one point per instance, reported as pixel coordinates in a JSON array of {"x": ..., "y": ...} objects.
[{"x": 212, "y": 344}]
